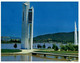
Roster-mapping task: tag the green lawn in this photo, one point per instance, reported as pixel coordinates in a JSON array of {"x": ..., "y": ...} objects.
[
  {"x": 10, "y": 50},
  {"x": 40, "y": 50},
  {"x": 60, "y": 52}
]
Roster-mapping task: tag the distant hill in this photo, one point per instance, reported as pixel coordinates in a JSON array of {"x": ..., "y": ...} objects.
[
  {"x": 64, "y": 37},
  {"x": 8, "y": 39},
  {"x": 56, "y": 37},
  {"x": 15, "y": 38}
]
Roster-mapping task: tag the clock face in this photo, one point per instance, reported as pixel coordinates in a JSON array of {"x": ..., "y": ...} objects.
[{"x": 30, "y": 16}]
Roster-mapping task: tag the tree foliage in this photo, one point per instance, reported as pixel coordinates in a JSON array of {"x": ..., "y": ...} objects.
[
  {"x": 39, "y": 46},
  {"x": 15, "y": 45},
  {"x": 49, "y": 47},
  {"x": 55, "y": 47},
  {"x": 44, "y": 46},
  {"x": 69, "y": 47},
  {"x": 56, "y": 37}
]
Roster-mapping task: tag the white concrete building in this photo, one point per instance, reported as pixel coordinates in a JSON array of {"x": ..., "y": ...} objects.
[
  {"x": 75, "y": 35},
  {"x": 27, "y": 27}
]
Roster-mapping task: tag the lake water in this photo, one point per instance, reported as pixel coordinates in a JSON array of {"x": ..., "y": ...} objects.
[
  {"x": 30, "y": 57},
  {"x": 11, "y": 46}
]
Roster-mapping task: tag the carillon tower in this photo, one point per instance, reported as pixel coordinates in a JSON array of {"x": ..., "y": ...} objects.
[{"x": 27, "y": 27}]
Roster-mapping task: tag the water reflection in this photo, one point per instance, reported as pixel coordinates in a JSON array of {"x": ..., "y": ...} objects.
[
  {"x": 26, "y": 58},
  {"x": 30, "y": 57},
  {"x": 16, "y": 58}
]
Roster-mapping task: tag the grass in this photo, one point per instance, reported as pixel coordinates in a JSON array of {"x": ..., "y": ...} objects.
[
  {"x": 60, "y": 52},
  {"x": 10, "y": 50},
  {"x": 40, "y": 50}
]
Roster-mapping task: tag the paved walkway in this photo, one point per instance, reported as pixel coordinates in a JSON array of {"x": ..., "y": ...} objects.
[{"x": 20, "y": 53}]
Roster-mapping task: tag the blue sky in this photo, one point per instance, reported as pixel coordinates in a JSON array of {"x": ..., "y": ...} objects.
[{"x": 49, "y": 17}]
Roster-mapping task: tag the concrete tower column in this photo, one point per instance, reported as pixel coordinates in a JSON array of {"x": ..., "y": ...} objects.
[
  {"x": 27, "y": 27},
  {"x": 31, "y": 40},
  {"x": 24, "y": 38},
  {"x": 75, "y": 35}
]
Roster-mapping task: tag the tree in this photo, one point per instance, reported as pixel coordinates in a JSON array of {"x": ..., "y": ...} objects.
[
  {"x": 39, "y": 46},
  {"x": 49, "y": 47},
  {"x": 15, "y": 45},
  {"x": 44, "y": 46},
  {"x": 55, "y": 47},
  {"x": 66, "y": 48},
  {"x": 75, "y": 47},
  {"x": 62, "y": 47},
  {"x": 69, "y": 47}
]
